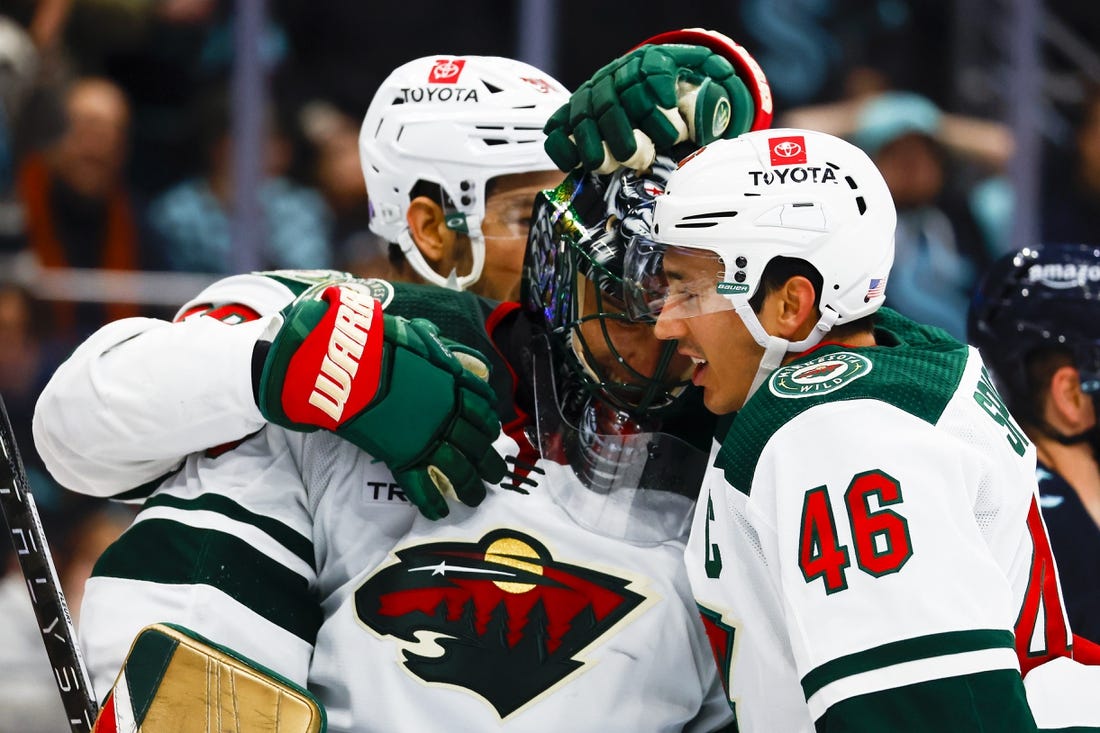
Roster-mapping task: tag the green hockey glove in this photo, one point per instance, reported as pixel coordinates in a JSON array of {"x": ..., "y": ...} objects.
[
  {"x": 657, "y": 95},
  {"x": 389, "y": 386}
]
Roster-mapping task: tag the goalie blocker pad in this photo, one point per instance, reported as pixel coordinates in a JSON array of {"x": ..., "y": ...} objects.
[{"x": 175, "y": 680}]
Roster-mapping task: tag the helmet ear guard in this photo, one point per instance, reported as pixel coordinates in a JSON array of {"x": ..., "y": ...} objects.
[{"x": 457, "y": 122}]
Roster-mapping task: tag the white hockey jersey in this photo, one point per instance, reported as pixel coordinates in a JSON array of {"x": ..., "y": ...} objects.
[
  {"x": 530, "y": 613},
  {"x": 870, "y": 525}
]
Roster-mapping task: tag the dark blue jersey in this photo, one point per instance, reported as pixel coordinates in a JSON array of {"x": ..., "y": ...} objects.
[{"x": 1075, "y": 540}]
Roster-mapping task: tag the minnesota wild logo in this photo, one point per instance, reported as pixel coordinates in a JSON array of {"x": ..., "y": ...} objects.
[
  {"x": 380, "y": 290},
  {"x": 508, "y": 621},
  {"x": 818, "y": 376}
]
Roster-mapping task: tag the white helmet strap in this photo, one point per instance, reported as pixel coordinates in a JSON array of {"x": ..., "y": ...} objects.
[
  {"x": 776, "y": 348},
  {"x": 452, "y": 280}
]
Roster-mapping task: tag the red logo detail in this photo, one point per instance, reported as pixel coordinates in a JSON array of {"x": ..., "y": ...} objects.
[
  {"x": 684, "y": 162},
  {"x": 321, "y": 364},
  {"x": 446, "y": 71},
  {"x": 540, "y": 85},
  {"x": 232, "y": 313},
  {"x": 819, "y": 371},
  {"x": 788, "y": 150}
]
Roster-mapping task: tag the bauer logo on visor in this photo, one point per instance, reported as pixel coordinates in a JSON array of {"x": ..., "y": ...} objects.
[
  {"x": 788, "y": 150},
  {"x": 446, "y": 71}
]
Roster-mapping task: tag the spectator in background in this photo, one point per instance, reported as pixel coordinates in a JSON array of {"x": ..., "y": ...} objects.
[
  {"x": 949, "y": 229},
  {"x": 27, "y": 360},
  {"x": 191, "y": 221},
  {"x": 18, "y": 68},
  {"x": 1071, "y": 191},
  {"x": 77, "y": 207},
  {"x": 334, "y": 138}
]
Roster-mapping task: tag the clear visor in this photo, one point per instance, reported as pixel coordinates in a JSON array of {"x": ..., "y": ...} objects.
[
  {"x": 509, "y": 215},
  {"x": 677, "y": 282},
  {"x": 509, "y": 206},
  {"x": 610, "y": 474}
]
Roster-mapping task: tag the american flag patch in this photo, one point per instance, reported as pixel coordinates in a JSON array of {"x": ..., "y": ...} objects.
[{"x": 878, "y": 284}]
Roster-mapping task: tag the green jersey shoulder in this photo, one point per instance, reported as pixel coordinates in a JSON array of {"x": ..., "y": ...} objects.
[{"x": 914, "y": 368}]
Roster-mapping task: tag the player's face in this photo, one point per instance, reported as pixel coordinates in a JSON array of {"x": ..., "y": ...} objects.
[
  {"x": 631, "y": 342},
  {"x": 712, "y": 335},
  {"x": 507, "y": 219}
]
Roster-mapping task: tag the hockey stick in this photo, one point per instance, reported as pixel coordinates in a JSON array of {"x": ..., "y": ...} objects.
[{"x": 17, "y": 506}]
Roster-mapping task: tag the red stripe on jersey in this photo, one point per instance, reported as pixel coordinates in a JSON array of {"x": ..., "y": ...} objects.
[
  {"x": 515, "y": 429},
  {"x": 1085, "y": 651},
  {"x": 106, "y": 722},
  {"x": 1043, "y": 595}
]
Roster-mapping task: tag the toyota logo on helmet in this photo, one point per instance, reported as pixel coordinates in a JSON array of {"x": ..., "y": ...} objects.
[
  {"x": 446, "y": 71},
  {"x": 790, "y": 150}
]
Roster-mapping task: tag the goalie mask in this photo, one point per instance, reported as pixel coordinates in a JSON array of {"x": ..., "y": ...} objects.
[
  {"x": 456, "y": 122},
  {"x": 1041, "y": 297},
  {"x": 611, "y": 400},
  {"x": 573, "y": 281}
]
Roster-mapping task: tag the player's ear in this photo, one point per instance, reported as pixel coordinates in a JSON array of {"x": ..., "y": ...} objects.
[
  {"x": 793, "y": 308},
  {"x": 428, "y": 227},
  {"x": 1069, "y": 403}
]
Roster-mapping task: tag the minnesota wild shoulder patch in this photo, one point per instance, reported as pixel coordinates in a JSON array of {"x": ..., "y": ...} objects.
[{"x": 818, "y": 376}]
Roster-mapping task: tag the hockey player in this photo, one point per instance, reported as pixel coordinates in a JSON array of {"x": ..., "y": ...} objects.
[
  {"x": 867, "y": 550},
  {"x": 299, "y": 550},
  {"x": 452, "y": 158},
  {"x": 1034, "y": 320}
]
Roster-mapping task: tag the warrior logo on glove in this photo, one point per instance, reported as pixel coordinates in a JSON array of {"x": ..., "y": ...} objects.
[
  {"x": 348, "y": 327},
  {"x": 338, "y": 363}
]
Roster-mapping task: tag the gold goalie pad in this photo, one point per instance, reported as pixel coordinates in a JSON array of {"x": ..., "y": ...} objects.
[{"x": 175, "y": 681}]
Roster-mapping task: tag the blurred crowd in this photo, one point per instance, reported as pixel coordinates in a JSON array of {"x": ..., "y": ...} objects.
[{"x": 116, "y": 154}]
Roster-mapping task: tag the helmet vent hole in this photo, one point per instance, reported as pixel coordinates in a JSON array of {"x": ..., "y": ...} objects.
[
  {"x": 492, "y": 89},
  {"x": 851, "y": 184},
  {"x": 495, "y": 141},
  {"x": 862, "y": 205},
  {"x": 697, "y": 225},
  {"x": 713, "y": 215}
]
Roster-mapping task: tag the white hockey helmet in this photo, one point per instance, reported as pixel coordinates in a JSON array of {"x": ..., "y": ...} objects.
[
  {"x": 766, "y": 194},
  {"x": 457, "y": 122}
]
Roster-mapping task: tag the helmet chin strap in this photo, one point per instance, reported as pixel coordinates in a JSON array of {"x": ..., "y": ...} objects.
[
  {"x": 776, "y": 348},
  {"x": 453, "y": 280}
]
